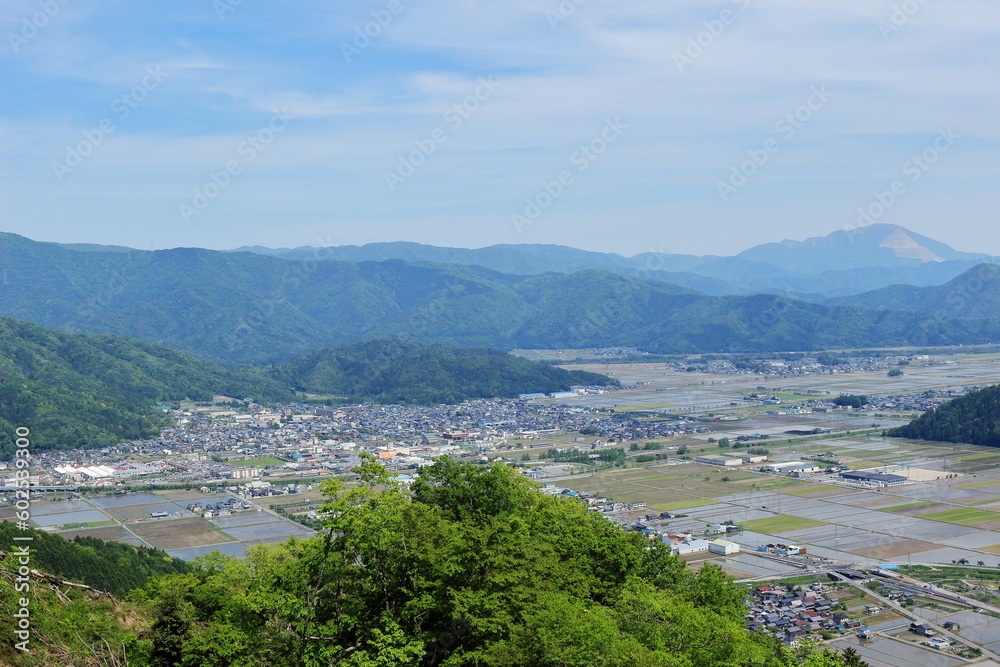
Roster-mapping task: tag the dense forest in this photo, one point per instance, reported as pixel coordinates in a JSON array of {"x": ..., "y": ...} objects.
[
  {"x": 392, "y": 371},
  {"x": 471, "y": 567},
  {"x": 107, "y": 566},
  {"x": 973, "y": 418},
  {"x": 126, "y": 370}
]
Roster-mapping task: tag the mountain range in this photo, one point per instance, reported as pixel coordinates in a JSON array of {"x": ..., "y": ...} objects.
[{"x": 249, "y": 308}]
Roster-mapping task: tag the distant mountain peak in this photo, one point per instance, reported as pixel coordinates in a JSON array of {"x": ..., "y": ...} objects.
[
  {"x": 879, "y": 247},
  {"x": 904, "y": 245}
]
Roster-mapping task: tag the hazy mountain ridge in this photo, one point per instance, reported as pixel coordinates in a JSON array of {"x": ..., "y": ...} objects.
[
  {"x": 523, "y": 260},
  {"x": 841, "y": 263},
  {"x": 878, "y": 245}
]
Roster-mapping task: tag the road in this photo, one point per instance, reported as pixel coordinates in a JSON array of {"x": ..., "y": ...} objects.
[{"x": 904, "y": 613}]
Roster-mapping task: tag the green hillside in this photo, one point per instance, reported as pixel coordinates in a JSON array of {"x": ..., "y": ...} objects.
[
  {"x": 391, "y": 371},
  {"x": 973, "y": 294},
  {"x": 973, "y": 418},
  {"x": 83, "y": 391},
  {"x": 107, "y": 566}
]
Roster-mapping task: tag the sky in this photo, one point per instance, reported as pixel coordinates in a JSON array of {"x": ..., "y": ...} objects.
[{"x": 672, "y": 126}]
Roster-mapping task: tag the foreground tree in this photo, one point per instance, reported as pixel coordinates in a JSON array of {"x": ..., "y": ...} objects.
[{"x": 472, "y": 567}]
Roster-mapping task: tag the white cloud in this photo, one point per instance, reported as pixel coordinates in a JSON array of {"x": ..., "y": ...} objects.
[{"x": 558, "y": 84}]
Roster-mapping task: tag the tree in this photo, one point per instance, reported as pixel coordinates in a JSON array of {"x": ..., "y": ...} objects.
[
  {"x": 851, "y": 658},
  {"x": 171, "y": 631},
  {"x": 829, "y": 359},
  {"x": 852, "y": 400}
]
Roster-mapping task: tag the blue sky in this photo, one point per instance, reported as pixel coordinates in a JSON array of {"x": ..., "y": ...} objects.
[{"x": 681, "y": 126}]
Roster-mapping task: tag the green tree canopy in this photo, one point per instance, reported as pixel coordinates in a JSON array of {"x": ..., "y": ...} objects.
[{"x": 473, "y": 567}]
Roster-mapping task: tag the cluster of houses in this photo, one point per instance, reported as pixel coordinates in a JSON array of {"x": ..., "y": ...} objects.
[
  {"x": 791, "y": 614},
  {"x": 799, "y": 366},
  {"x": 259, "y": 489},
  {"x": 221, "y": 508}
]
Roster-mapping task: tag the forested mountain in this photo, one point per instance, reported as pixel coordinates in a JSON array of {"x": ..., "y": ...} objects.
[
  {"x": 973, "y": 418},
  {"x": 392, "y": 371},
  {"x": 246, "y": 308},
  {"x": 473, "y": 568},
  {"x": 80, "y": 391},
  {"x": 125, "y": 369},
  {"x": 974, "y": 294}
]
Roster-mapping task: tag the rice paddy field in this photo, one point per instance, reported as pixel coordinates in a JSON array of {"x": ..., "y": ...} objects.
[
  {"x": 947, "y": 511},
  {"x": 953, "y": 516},
  {"x": 126, "y": 519}
]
